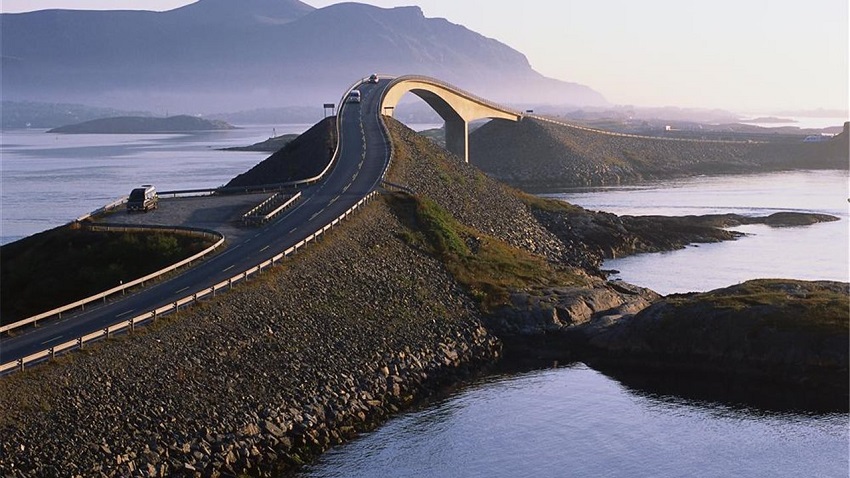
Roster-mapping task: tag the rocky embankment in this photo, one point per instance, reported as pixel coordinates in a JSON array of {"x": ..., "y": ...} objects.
[
  {"x": 537, "y": 155},
  {"x": 406, "y": 297},
  {"x": 259, "y": 379}
]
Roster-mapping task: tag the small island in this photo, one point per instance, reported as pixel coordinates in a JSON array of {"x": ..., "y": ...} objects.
[
  {"x": 270, "y": 145},
  {"x": 143, "y": 125}
]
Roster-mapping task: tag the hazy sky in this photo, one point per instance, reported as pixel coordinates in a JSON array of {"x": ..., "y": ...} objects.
[{"x": 741, "y": 55}]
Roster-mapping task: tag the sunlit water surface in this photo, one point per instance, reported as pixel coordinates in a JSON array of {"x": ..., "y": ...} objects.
[
  {"x": 815, "y": 252},
  {"x": 575, "y": 421},
  {"x": 570, "y": 421}
]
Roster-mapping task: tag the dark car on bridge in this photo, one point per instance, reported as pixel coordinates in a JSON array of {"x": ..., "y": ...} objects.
[{"x": 373, "y": 78}]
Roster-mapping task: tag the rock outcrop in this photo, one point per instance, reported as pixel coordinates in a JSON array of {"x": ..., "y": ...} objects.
[{"x": 784, "y": 331}]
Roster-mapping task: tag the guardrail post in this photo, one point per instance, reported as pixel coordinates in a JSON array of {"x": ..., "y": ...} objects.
[
  {"x": 106, "y": 332},
  {"x": 132, "y": 325},
  {"x": 230, "y": 284},
  {"x": 21, "y": 364},
  {"x": 52, "y": 353},
  {"x": 176, "y": 307},
  {"x": 80, "y": 342}
]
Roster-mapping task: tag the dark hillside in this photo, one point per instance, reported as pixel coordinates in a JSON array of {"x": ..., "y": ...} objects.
[
  {"x": 304, "y": 157},
  {"x": 64, "y": 264},
  {"x": 535, "y": 154}
]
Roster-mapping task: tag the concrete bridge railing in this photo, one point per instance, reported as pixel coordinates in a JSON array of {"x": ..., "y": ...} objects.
[{"x": 454, "y": 105}]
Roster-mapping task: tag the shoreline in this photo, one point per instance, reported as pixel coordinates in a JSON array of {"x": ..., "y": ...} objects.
[{"x": 352, "y": 330}]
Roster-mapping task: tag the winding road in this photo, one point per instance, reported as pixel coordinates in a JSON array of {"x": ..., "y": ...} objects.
[{"x": 357, "y": 172}]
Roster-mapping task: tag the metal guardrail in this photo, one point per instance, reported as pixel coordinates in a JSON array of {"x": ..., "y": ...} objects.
[
  {"x": 175, "y": 306},
  {"x": 121, "y": 288},
  {"x": 637, "y": 136},
  {"x": 254, "y": 217},
  {"x": 152, "y": 315}
]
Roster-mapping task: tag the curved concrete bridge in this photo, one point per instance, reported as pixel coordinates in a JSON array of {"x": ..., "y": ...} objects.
[{"x": 455, "y": 106}]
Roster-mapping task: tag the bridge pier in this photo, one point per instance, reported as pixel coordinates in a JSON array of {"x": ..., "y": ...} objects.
[
  {"x": 456, "y": 107},
  {"x": 457, "y": 137}
]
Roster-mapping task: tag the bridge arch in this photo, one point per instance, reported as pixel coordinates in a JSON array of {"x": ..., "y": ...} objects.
[{"x": 455, "y": 106}]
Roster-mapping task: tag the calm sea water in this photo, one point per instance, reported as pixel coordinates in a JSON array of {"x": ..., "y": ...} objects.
[
  {"x": 575, "y": 421},
  {"x": 571, "y": 421},
  {"x": 815, "y": 252},
  {"x": 50, "y": 179},
  {"x": 47, "y": 180}
]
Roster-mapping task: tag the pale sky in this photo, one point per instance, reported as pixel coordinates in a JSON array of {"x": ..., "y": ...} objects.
[{"x": 747, "y": 56}]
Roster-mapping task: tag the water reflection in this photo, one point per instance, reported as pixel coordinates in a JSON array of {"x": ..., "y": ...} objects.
[
  {"x": 576, "y": 421},
  {"x": 720, "y": 391}
]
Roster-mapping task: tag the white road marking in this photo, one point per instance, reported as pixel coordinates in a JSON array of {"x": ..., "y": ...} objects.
[
  {"x": 125, "y": 313},
  {"x": 181, "y": 290},
  {"x": 51, "y": 340},
  {"x": 227, "y": 269},
  {"x": 263, "y": 249}
]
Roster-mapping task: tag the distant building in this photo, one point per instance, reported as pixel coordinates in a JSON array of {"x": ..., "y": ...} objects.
[{"x": 817, "y": 138}]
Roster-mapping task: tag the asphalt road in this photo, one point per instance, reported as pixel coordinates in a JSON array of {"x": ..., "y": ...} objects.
[{"x": 353, "y": 177}]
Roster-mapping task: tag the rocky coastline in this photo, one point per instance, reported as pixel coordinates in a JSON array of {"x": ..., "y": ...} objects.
[{"x": 330, "y": 343}]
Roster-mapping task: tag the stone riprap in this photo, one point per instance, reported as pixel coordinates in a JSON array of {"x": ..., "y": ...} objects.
[{"x": 333, "y": 341}]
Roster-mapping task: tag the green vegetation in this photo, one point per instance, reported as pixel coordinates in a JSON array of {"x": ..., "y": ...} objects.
[
  {"x": 64, "y": 265},
  {"x": 486, "y": 266},
  {"x": 546, "y": 204},
  {"x": 779, "y": 304}
]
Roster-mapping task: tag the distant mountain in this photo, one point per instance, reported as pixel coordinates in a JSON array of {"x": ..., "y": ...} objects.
[
  {"x": 143, "y": 125},
  {"x": 29, "y": 114},
  {"x": 229, "y": 55}
]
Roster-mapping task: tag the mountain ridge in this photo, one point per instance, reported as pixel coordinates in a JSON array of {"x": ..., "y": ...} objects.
[{"x": 216, "y": 55}]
